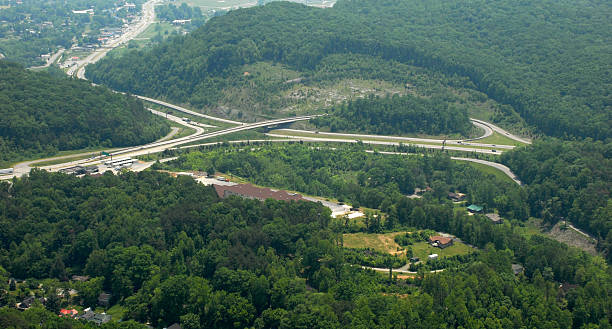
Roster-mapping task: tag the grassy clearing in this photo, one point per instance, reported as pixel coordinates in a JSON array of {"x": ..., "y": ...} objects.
[
  {"x": 379, "y": 242},
  {"x": 386, "y": 243},
  {"x": 489, "y": 170},
  {"x": 163, "y": 28},
  {"x": 423, "y": 249},
  {"x": 116, "y": 312},
  {"x": 219, "y": 3},
  {"x": 499, "y": 139}
]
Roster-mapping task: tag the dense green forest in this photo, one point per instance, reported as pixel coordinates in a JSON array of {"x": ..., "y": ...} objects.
[
  {"x": 544, "y": 58},
  {"x": 350, "y": 174},
  {"x": 397, "y": 115},
  {"x": 42, "y": 114},
  {"x": 568, "y": 180},
  {"x": 170, "y": 251}
]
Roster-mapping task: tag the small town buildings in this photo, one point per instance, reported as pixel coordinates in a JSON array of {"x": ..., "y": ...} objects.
[
  {"x": 440, "y": 241},
  {"x": 252, "y": 192},
  {"x": 27, "y": 303},
  {"x": 474, "y": 209},
  {"x": 414, "y": 259},
  {"x": 97, "y": 318},
  {"x": 175, "y": 326},
  {"x": 456, "y": 197},
  {"x": 68, "y": 313},
  {"x": 432, "y": 256}
]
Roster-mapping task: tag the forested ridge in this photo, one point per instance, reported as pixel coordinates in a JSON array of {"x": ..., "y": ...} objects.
[
  {"x": 170, "y": 251},
  {"x": 42, "y": 114},
  {"x": 396, "y": 116},
  {"x": 545, "y": 58},
  {"x": 568, "y": 180}
]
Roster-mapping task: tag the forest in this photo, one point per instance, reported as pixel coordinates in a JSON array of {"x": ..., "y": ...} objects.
[
  {"x": 170, "y": 251},
  {"x": 349, "y": 174},
  {"x": 568, "y": 180},
  {"x": 553, "y": 76},
  {"x": 396, "y": 116},
  {"x": 43, "y": 114}
]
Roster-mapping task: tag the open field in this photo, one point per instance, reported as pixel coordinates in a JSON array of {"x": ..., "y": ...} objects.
[
  {"x": 500, "y": 139},
  {"x": 489, "y": 170},
  {"x": 379, "y": 242},
  {"x": 385, "y": 243}
]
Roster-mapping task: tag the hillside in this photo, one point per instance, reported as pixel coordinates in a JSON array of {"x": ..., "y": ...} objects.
[
  {"x": 42, "y": 114},
  {"x": 545, "y": 59}
]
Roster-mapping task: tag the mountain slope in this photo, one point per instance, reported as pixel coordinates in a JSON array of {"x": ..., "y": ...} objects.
[
  {"x": 42, "y": 114},
  {"x": 547, "y": 59}
]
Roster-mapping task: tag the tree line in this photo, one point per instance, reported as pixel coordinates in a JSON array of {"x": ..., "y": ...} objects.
[
  {"x": 170, "y": 251},
  {"x": 546, "y": 84},
  {"x": 397, "y": 115},
  {"x": 43, "y": 114}
]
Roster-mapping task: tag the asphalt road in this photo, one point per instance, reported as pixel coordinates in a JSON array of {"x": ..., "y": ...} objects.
[
  {"x": 184, "y": 110},
  {"x": 148, "y": 17},
  {"x": 501, "y": 131}
]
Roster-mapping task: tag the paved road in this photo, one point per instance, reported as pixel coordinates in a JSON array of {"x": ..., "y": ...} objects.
[
  {"x": 51, "y": 60},
  {"x": 428, "y": 146},
  {"x": 501, "y": 131},
  {"x": 182, "y": 109},
  {"x": 496, "y": 165},
  {"x": 399, "y": 138},
  {"x": 148, "y": 17},
  {"x": 160, "y": 146}
]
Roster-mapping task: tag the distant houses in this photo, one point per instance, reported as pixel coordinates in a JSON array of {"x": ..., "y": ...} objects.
[
  {"x": 440, "y": 241},
  {"x": 97, "y": 318},
  {"x": 456, "y": 197},
  {"x": 474, "y": 209}
]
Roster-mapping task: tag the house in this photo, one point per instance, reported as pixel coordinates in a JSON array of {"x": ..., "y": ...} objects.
[
  {"x": 517, "y": 269},
  {"x": 474, "y": 209},
  {"x": 175, "y": 326},
  {"x": 27, "y": 303},
  {"x": 456, "y": 197},
  {"x": 80, "y": 278},
  {"x": 440, "y": 241},
  {"x": 68, "y": 313},
  {"x": 97, "y": 318},
  {"x": 433, "y": 256},
  {"x": 414, "y": 259},
  {"x": 104, "y": 299},
  {"x": 495, "y": 218},
  {"x": 252, "y": 192}
]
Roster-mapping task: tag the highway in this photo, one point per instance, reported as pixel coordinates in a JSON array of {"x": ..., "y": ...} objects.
[
  {"x": 148, "y": 17},
  {"x": 348, "y": 140},
  {"x": 501, "y": 131},
  {"x": 184, "y": 110},
  {"x": 406, "y": 139}
]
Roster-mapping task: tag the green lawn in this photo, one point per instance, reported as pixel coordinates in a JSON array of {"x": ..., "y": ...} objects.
[
  {"x": 116, "y": 312},
  {"x": 499, "y": 139},
  {"x": 489, "y": 170},
  {"x": 423, "y": 249}
]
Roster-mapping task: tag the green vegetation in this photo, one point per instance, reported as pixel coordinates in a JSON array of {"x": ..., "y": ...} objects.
[
  {"x": 568, "y": 180},
  {"x": 396, "y": 116},
  {"x": 170, "y": 251},
  {"x": 44, "y": 114},
  {"x": 553, "y": 76},
  {"x": 29, "y": 29}
]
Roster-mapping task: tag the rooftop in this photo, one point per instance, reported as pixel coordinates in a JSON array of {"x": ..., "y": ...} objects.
[{"x": 250, "y": 191}]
